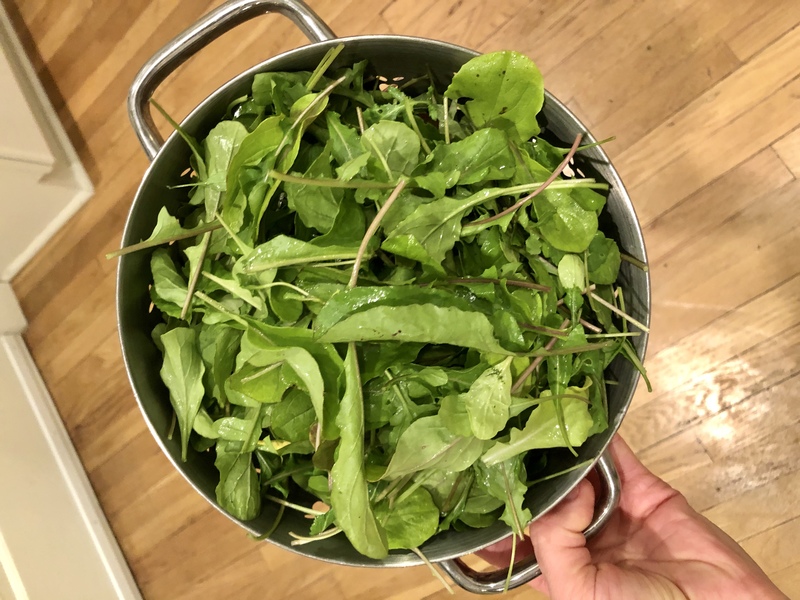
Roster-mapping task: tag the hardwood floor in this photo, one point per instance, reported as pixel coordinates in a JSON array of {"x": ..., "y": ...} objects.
[{"x": 704, "y": 98}]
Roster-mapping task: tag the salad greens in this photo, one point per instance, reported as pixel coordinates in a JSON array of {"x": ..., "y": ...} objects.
[{"x": 386, "y": 298}]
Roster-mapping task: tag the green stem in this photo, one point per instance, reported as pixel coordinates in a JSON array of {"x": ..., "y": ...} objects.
[
  {"x": 445, "y": 109},
  {"x": 161, "y": 241},
  {"x": 539, "y": 190},
  {"x": 413, "y": 122},
  {"x": 297, "y": 507},
  {"x": 354, "y": 184},
  {"x": 323, "y": 66},
  {"x": 373, "y": 227},
  {"x": 196, "y": 274},
  {"x": 634, "y": 261},
  {"x": 217, "y": 306},
  {"x": 266, "y": 535},
  {"x": 559, "y": 473},
  {"x": 622, "y": 314}
]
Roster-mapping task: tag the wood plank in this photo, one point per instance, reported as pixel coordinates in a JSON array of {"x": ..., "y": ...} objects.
[
  {"x": 738, "y": 114},
  {"x": 776, "y": 548},
  {"x": 766, "y": 23},
  {"x": 788, "y": 580},
  {"x": 788, "y": 149},
  {"x": 753, "y": 181},
  {"x": 737, "y": 379},
  {"x": 676, "y": 456},
  {"x": 758, "y": 509},
  {"x": 754, "y": 465}
]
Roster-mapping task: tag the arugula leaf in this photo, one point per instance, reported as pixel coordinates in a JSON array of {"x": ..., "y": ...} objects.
[
  {"x": 543, "y": 430},
  {"x": 284, "y": 251},
  {"x": 238, "y": 491},
  {"x": 220, "y": 146},
  {"x": 410, "y": 521},
  {"x": 424, "y": 323},
  {"x": 483, "y": 156},
  {"x": 506, "y": 92},
  {"x": 428, "y": 444},
  {"x": 182, "y": 373},
  {"x": 603, "y": 259},
  {"x": 488, "y": 400},
  {"x": 394, "y": 144},
  {"x": 349, "y": 493}
]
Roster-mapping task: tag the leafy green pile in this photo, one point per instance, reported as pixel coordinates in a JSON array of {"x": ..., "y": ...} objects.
[{"x": 390, "y": 303}]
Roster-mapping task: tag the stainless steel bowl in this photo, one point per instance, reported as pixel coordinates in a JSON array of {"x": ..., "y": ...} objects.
[{"x": 391, "y": 56}]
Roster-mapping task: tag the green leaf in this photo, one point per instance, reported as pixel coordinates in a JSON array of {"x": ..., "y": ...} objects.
[
  {"x": 264, "y": 140},
  {"x": 410, "y": 521},
  {"x": 345, "y": 143},
  {"x": 182, "y": 373},
  {"x": 394, "y": 144},
  {"x": 284, "y": 251},
  {"x": 351, "y": 301},
  {"x": 570, "y": 272},
  {"x": 169, "y": 288},
  {"x": 293, "y": 416},
  {"x": 258, "y": 354},
  {"x": 542, "y": 429},
  {"x": 505, "y": 482},
  {"x": 349, "y": 493},
  {"x": 483, "y": 156},
  {"x": 488, "y": 400},
  {"x": 238, "y": 489},
  {"x": 316, "y": 206},
  {"x": 218, "y": 347},
  {"x": 418, "y": 323},
  {"x": 220, "y": 146},
  {"x": 436, "y": 226},
  {"x": 428, "y": 444},
  {"x": 453, "y": 413},
  {"x": 603, "y": 260},
  {"x": 506, "y": 91},
  {"x": 563, "y": 222}
]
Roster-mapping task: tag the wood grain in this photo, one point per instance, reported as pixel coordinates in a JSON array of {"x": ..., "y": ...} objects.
[{"x": 704, "y": 98}]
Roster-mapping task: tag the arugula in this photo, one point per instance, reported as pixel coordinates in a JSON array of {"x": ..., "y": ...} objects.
[{"x": 378, "y": 297}]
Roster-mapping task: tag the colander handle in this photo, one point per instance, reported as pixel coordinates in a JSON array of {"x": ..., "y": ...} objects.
[
  {"x": 197, "y": 37},
  {"x": 493, "y": 582}
]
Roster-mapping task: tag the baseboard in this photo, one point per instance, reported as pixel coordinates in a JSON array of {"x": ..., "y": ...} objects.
[
  {"x": 67, "y": 172},
  {"x": 73, "y": 534}
]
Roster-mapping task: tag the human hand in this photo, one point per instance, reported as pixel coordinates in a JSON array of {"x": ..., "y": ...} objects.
[{"x": 655, "y": 546}]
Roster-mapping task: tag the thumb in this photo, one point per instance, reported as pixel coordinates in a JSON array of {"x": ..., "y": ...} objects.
[{"x": 561, "y": 547}]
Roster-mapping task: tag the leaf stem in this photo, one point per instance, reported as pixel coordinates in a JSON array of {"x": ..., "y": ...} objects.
[
  {"x": 634, "y": 261},
  {"x": 217, "y": 306},
  {"x": 266, "y": 535},
  {"x": 300, "y": 540},
  {"x": 323, "y": 66},
  {"x": 373, "y": 227},
  {"x": 360, "y": 116},
  {"x": 433, "y": 570},
  {"x": 415, "y": 126},
  {"x": 297, "y": 507},
  {"x": 355, "y": 184},
  {"x": 161, "y": 241},
  {"x": 262, "y": 372},
  {"x": 538, "y": 190},
  {"x": 559, "y": 473},
  {"x": 512, "y": 282},
  {"x": 445, "y": 109},
  {"x": 196, "y": 274},
  {"x": 622, "y": 314},
  {"x": 244, "y": 248},
  {"x": 536, "y": 362}
]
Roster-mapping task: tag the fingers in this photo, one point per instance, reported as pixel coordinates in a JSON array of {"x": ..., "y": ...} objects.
[{"x": 561, "y": 547}]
